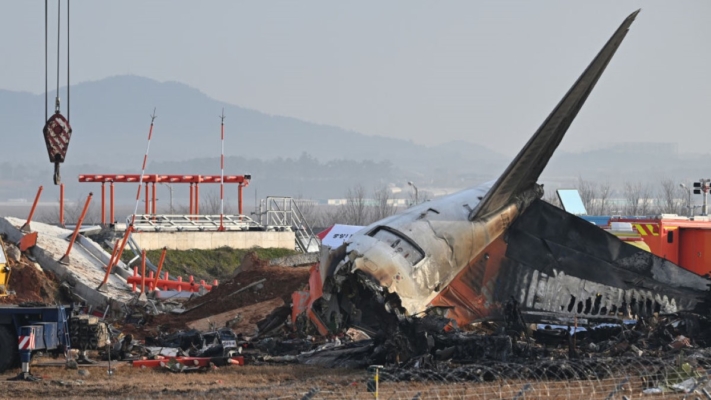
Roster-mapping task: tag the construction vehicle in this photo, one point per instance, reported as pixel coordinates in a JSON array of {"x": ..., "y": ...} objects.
[
  {"x": 31, "y": 328},
  {"x": 28, "y": 330}
]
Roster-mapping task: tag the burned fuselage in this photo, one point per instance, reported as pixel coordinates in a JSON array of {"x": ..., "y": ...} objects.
[
  {"x": 468, "y": 254},
  {"x": 549, "y": 262},
  {"x": 415, "y": 254}
]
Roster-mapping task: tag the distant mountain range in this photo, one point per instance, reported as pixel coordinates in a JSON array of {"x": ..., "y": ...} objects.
[
  {"x": 110, "y": 121},
  {"x": 111, "y": 118}
]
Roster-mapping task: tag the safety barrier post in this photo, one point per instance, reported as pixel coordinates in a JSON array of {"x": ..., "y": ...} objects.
[
  {"x": 373, "y": 385},
  {"x": 164, "y": 284},
  {"x": 148, "y": 204},
  {"x": 26, "y": 226},
  {"x": 117, "y": 257},
  {"x": 133, "y": 281},
  {"x": 192, "y": 197},
  {"x": 239, "y": 200},
  {"x": 143, "y": 271},
  {"x": 103, "y": 204},
  {"x": 65, "y": 257},
  {"x": 111, "y": 205},
  {"x": 113, "y": 252},
  {"x": 155, "y": 199},
  {"x": 160, "y": 267},
  {"x": 197, "y": 199}
]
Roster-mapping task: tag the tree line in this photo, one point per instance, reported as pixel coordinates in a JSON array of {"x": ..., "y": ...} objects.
[
  {"x": 363, "y": 207},
  {"x": 632, "y": 198}
]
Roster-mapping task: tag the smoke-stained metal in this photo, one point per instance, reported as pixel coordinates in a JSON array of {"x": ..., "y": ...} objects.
[{"x": 467, "y": 255}]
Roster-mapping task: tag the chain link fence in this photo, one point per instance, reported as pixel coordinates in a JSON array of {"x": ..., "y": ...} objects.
[{"x": 683, "y": 377}]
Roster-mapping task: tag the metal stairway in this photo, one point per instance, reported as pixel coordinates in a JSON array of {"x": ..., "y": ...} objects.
[{"x": 281, "y": 213}]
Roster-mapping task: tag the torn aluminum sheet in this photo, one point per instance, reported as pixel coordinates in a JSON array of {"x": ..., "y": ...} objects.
[
  {"x": 459, "y": 254},
  {"x": 165, "y": 351}
]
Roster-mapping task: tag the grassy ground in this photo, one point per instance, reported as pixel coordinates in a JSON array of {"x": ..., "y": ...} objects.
[{"x": 206, "y": 264}]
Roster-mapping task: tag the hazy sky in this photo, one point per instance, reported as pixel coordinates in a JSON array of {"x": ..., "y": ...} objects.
[{"x": 485, "y": 72}]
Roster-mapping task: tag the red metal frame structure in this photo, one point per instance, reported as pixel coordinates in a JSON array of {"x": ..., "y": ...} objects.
[{"x": 150, "y": 181}]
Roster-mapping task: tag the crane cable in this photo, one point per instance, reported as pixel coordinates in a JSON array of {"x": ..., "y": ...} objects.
[
  {"x": 46, "y": 63},
  {"x": 59, "y": 19},
  {"x": 46, "y": 40},
  {"x": 67, "y": 60},
  {"x": 57, "y": 128}
]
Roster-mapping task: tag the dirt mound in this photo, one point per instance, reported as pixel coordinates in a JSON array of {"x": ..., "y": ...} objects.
[
  {"x": 31, "y": 284},
  {"x": 251, "y": 262},
  {"x": 279, "y": 282}
]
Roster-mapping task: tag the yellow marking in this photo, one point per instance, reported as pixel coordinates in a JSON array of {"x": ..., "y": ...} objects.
[
  {"x": 640, "y": 229},
  {"x": 651, "y": 230}
]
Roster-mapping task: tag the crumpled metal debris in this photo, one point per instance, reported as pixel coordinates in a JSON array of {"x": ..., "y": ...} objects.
[{"x": 197, "y": 344}]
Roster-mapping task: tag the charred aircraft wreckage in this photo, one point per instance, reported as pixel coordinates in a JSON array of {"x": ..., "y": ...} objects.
[{"x": 484, "y": 252}]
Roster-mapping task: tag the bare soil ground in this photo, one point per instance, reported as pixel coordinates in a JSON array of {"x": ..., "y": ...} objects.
[
  {"x": 249, "y": 382},
  {"x": 292, "y": 382},
  {"x": 280, "y": 282}
]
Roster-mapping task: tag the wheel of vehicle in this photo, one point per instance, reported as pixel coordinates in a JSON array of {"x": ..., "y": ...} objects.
[{"x": 8, "y": 349}]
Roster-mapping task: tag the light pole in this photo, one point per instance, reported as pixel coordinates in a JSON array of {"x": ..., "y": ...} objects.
[
  {"x": 688, "y": 189},
  {"x": 170, "y": 188},
  {"x": 703, "y": 186},
  {"x": 414, "y": 187}
]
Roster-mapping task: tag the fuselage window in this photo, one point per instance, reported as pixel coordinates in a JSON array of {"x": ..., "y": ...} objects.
[{"x": 400, "y": 243}]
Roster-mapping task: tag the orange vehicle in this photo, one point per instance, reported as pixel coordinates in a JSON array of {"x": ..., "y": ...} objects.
[{"x": 681, "y": 240}]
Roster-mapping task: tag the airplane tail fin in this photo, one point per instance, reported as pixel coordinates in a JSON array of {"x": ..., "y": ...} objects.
[{"x": 524, "y": 170}]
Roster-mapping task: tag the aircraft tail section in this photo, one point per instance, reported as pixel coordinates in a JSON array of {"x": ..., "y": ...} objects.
[{"x": 524, "y": 170}]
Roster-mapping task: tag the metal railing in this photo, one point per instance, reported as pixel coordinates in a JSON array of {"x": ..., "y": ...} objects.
[
  {"x": 280, "y": 212},
  {"x": 181, "y": 223}
]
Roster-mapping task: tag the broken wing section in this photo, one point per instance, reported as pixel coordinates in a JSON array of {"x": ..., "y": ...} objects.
[{"x": 524, "y": 170}]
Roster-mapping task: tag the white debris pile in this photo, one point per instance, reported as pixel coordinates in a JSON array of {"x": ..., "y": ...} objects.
[{"x": 84, "y": 271}]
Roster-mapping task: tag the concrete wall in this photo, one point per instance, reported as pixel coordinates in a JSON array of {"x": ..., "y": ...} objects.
[{"x": 213, "y": 240}]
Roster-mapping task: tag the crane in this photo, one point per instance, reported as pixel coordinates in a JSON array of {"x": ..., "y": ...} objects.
[{"x": 57, "y": 129}]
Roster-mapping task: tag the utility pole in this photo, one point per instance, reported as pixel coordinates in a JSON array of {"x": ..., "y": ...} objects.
[
  {"x": 703, "y": 186},
  {"x": 690, "y": 212},
  {"x": 170, "y": 189},
  {"x": 414, "y": 187}
]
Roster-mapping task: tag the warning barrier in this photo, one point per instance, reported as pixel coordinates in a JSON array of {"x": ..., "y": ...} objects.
[
  {"x": 166, "y": 284},
  {"x": 189, "y": 361}
]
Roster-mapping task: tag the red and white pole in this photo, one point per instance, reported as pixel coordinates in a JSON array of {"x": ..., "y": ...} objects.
[
  {"x": 129, "y": 228},
  {"x": 222, "y": 170},
  {"x": 143, "y": 170}
]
